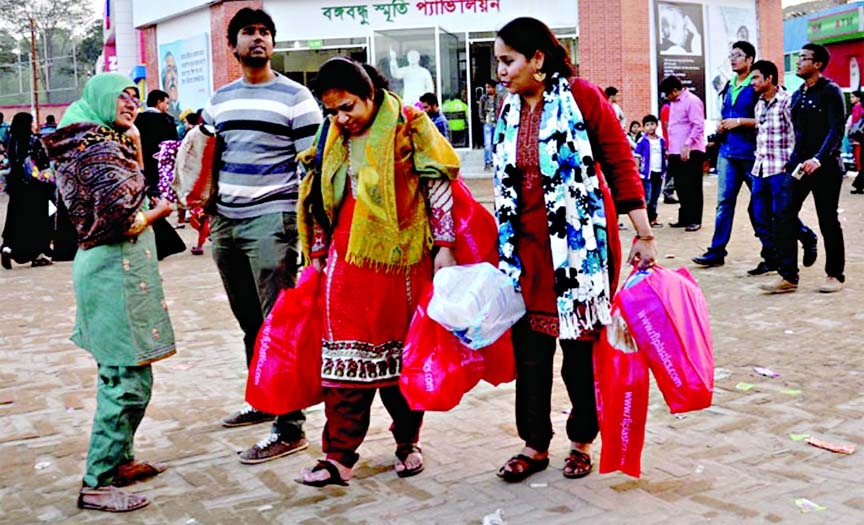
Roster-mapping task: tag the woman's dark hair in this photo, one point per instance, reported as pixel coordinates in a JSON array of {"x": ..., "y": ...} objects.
[
  {"x": 528, "y": 36},
  {"x": 20, "y": 132},
  {"x": 345, "y": 74},
  {"x": 631, "y": 124}
]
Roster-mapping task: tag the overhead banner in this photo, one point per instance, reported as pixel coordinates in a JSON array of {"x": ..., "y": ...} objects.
[
  {"x": 184, "y": 73},
  {"x": 726, "y": 25},
  {"x": 680, "y": 45}
]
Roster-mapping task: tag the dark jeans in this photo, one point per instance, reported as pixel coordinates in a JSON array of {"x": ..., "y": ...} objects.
[
  {"x": 653, "y": 185},
  {"x": 256, "y": 258},
  {"x": 771, "y": 195},
  {"x": 731, "y": 175},
  {"x": 688, "y": 185},
  {"x": 348, "y": 411},
  {"x": 534, "y": 358},
  {"x": 825, "y": 184}
]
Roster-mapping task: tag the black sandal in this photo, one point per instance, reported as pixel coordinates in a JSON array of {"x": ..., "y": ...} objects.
[
  {"x": 402, "y": 453},
  {"x": 520, "y": 466},
  {"x": 334, "y": 479},
  {"x": 577, "y": 465}
]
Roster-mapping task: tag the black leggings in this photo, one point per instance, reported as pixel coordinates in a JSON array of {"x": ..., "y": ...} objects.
[{"x": 535, "y": 353}]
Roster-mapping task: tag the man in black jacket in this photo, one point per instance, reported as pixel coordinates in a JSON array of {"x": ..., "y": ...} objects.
[
  {"x": 156, "y": 126},
  {"x": 818, "y": 116}
]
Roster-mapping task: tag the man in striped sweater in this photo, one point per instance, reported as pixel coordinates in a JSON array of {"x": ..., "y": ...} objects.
[{"x": 264, "y": 120}]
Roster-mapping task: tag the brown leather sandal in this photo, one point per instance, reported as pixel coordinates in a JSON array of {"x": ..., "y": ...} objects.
[
  {"x": 402, "y": 453},
  {"x": 334, "y": 479},
  {"x": 577, "y": 465},
  {"x": 133, "y": 471},
  {"x": 520, "y": 466},
  {"x": 112, "y": 500}
]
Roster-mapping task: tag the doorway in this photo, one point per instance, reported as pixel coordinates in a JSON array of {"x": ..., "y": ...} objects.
[{"x": 483, "y": 67}]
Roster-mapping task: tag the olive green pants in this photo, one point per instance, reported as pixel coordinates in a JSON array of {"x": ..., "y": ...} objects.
[{"x": 121, "y": 399}]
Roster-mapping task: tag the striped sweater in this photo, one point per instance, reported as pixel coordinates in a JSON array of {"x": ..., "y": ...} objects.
[{"x": 263, "y": 127}]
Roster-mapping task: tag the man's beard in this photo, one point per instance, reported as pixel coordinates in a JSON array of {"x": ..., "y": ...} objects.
[{"x": 251, "y": 61}]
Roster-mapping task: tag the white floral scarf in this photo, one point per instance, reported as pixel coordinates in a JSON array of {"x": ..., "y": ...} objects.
[{"x": 574, "y": 207}]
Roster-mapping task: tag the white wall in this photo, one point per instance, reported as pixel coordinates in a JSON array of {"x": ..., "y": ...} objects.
[
  {"x": 147, "y": 12},
  {"x": 305, "y": 19},
  {"x": 125, "y": 36}
]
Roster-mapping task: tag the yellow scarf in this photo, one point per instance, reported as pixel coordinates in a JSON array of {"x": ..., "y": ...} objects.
[{"x": 379, "y": 236}]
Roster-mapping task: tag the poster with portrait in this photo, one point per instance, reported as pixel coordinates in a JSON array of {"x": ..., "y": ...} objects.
[
  {"x": 184, "y": 73},
  {"x": 680, "y": 44},
  {"x": 726, "y": 25}
]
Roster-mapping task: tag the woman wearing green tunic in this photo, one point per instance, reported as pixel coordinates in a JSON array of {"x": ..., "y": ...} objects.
[{"x": 122, "y": 317}]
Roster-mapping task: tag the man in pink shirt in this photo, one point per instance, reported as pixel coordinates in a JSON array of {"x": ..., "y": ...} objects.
[{"x": 686, "y": 143}]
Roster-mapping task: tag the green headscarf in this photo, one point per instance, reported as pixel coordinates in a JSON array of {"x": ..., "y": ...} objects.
[{"x": 98, "y": 104}]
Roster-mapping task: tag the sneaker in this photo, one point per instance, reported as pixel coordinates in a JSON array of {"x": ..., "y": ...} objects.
[
  {"x": 270, "y": 448},
  {"x": 246, "y": 416},
  {"x": 761, "y": 269},
  {"x": 709, "y": 260},
  {"x": 670, "y": 200},
  {"x": 811, "y": 249},
  {"x": 831, "y": 285},
  {"x": 781, "y": 285}
]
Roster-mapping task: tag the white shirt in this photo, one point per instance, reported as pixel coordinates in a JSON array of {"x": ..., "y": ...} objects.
[{"x": 656, "y": 155}]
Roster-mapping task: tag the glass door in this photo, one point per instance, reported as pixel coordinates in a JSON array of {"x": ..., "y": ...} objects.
[{"x": 454, "y": 86}]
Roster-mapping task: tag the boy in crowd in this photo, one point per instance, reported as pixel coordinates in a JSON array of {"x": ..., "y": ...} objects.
[{"x": 651, "y": 151}]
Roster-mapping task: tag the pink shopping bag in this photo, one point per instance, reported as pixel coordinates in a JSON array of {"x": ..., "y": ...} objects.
[{"x": 668, "y": 317}]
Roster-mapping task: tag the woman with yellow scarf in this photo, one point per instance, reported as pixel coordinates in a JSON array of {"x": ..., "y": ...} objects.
[{"x": 376, "y": 206}]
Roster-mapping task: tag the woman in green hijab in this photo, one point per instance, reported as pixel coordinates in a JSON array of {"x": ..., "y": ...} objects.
[{"x": 122, "y": 317}]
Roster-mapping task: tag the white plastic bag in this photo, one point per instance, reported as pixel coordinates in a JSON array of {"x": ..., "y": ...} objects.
[{"x": 476, "y": 302}]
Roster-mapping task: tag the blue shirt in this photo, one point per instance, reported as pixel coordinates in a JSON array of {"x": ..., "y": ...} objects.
[{"x": 739, "y": 143}]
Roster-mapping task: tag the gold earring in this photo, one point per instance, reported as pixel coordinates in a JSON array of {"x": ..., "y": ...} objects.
[{"x": 539, "y": 76}]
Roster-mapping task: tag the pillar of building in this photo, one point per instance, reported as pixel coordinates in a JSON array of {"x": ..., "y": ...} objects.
[
  {"x": 151, "y": 53},
  {"x": 614, "y": 50},
  {"x": 226, "y": 68},
  {"x": 769, "y": 14}
]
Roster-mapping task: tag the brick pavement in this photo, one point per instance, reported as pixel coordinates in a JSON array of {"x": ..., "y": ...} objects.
[{"x": 732, "y": 463}]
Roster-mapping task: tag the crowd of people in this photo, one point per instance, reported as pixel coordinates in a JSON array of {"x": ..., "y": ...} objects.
[{"x": 363, "y": 193}]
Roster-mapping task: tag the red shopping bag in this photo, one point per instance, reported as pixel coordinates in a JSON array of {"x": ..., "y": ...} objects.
[
  {"x": 285, "y": 373},
  {"x": 668, "y": 317},
  {"x": 499, "y": 361},
  {"x": 476, "y": 242},
  {"x": 432, "y": 376},
  {"x": 476, "y": 228},
  {"x": 621, "y": 388}
]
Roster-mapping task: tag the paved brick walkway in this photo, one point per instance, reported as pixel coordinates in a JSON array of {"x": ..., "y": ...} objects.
[{"x": 732, "y": 463}]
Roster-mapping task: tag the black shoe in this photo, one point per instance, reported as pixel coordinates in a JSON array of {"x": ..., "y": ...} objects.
[
  {"x": 857, "y": 192},
  {"x": 709, "y": 260},
  {"x": 678, "y": 224},
  {"x": 761, "y": 269},
  {"x": 811, "y": 249},
  {"x": 246, "y": 416},
  {"x": 670, "y": 200},
  {"x": 692, "y": 227},
  {"x": 6, "y": 257}
]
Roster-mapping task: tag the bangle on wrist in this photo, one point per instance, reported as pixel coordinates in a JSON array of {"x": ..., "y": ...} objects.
[
  {"x": 139, "y": 224},
  {"x": 644, "y": 237}
]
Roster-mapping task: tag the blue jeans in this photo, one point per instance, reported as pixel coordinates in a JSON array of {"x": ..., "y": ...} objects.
[
  {"x": 731, "y": 174},
  {"x": 653, "y": 185},
  {"x": 488, "y": 133},
  {"x": 771, "y": 196}
]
